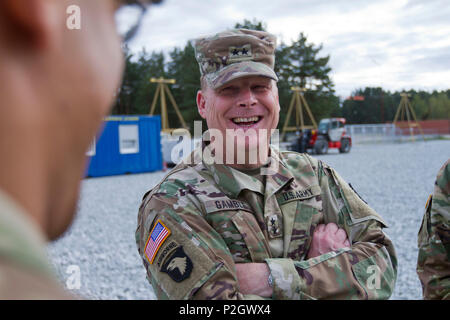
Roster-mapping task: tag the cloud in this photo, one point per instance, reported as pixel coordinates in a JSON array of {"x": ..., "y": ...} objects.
[
  {"x": 429, "y": 60},
  {"x": 394, "y": 44},
  {"x": 430, "y": 13}
]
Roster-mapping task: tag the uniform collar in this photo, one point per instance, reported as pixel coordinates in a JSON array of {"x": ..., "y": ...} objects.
[
  {"x": 280, "y": 176},
  {"x": 232, "y": 181}
]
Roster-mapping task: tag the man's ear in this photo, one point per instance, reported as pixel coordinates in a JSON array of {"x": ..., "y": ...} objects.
[
  {"x": 30, "y": 21},
  {"x": 201, "y": 104}
]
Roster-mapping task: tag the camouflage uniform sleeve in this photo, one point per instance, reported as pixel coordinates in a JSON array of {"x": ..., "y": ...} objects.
[
  {"x": 193, "y": 262},
  {"x": 367, "y": 270},
  {"x": 433, "y": 266}
]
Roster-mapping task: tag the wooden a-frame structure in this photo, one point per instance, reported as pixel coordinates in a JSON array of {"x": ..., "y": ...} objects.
[
  {"x": 298, "y": 100},
  {"x": 406, "y": 112},
  {"x": 161, "y": 90}
]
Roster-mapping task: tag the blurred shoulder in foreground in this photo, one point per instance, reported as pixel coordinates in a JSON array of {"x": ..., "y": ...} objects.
[{"x": 24, "y": 270}]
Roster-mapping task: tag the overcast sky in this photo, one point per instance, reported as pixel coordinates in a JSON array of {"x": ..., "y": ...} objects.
[{"x": 395, "y": 44}]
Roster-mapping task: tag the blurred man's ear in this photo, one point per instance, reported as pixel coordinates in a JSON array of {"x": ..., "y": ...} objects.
[
  {"x": 201, "y": 104},
  {"x": 30, "y": 22}
]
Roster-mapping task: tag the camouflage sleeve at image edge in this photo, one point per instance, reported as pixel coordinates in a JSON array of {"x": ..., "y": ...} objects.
[
  {"x": 367, "y": 270},
  {"x": 433, "y": 266}
]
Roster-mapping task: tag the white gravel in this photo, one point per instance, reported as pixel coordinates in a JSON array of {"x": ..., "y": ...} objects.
[{"x": 395, "y": 179}]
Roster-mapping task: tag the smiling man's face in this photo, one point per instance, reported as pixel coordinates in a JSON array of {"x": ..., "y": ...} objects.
[{"x": 244, "y": 103}]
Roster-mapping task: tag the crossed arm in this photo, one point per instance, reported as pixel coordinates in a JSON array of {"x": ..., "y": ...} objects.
[{"x": 253, "y": 277}]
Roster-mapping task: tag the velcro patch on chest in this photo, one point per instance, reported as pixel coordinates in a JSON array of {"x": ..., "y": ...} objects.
[
  {"x": 226, "y": 204},
  {"x": 273, "y": 224},
  {"x": 293, "y": 195}
]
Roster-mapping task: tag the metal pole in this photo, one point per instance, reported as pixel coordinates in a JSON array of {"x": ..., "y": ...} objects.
[
  {"x": 172, "y": 100},
  {"x": 299, "y": 109},
  {"x": 155, "y": 98},
  {"x": 287, "y": 117},
  {"x": 165, "y": 121},
  {"x": 309, "y": 111}
]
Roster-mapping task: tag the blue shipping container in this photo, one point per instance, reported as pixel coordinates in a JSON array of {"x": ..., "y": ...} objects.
[{"x": 127, "y": 145}]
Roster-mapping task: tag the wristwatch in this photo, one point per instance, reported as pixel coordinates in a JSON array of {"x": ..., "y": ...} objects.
[{"x": 270, "y": 280}]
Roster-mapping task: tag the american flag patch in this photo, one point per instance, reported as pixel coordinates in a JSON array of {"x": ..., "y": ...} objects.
[{"x": 157, "y": 236}]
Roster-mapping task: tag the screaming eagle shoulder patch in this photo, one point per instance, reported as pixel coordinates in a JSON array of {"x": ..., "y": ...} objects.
[
  {"x": 156, "y": 238},
  {"x": 178, "y": 266}
]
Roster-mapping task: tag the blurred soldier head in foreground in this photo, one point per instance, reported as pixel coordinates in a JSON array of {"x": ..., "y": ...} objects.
[{"x": 57, "y": 84}]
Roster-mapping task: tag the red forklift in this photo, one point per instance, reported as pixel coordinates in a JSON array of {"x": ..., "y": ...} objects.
[{"x": 330, "y": 134}]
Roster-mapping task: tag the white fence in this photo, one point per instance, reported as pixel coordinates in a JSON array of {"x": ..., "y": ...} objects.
[
  {"x": 360, "y": 133},
  {"x": 373, "y": 133},
  {"x": 363, "y": 133}
]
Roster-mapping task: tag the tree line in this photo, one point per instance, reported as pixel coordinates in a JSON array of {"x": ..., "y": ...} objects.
[
  {"x": 299, "y": 63},
  {"x": 380, "y": 106}
]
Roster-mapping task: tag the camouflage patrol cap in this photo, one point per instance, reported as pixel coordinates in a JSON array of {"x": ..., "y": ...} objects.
[{"x": 233, "y": 54}]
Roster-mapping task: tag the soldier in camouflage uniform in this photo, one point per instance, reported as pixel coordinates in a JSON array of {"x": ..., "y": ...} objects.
[
  {"x": 433, "y": 264},
  {"x": 210, "y": 230}
]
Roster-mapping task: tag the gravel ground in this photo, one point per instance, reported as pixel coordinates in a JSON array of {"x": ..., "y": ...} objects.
[{"x": 395, "y": 179}]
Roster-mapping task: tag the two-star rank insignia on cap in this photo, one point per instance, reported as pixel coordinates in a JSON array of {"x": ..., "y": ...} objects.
[
  {"x": 240, "y": 53},
  {"x": 157, "y": 236},
  {"x": 179, "y": 265}
]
